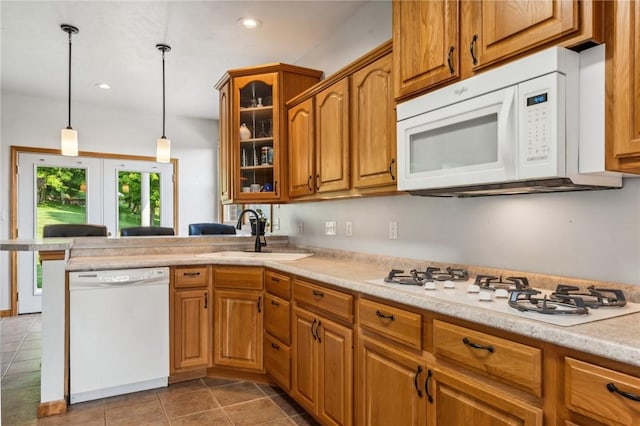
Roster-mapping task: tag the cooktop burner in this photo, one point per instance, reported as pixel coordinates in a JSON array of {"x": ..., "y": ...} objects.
[
  {"x": 528, "y": 300},
  {"x": 592, "y": 297},
  {"x": 491, "y": 282},
  {"x": 419, "y": 278}
]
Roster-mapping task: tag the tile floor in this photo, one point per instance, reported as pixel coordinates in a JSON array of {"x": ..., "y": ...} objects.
[{"x": 208, "y": 401}]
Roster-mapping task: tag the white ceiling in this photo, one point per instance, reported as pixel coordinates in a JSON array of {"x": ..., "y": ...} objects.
[{"x": 116, "y": 45}]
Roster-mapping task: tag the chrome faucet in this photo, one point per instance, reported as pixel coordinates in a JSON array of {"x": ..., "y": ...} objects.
[{"x": 259, "y": 244}]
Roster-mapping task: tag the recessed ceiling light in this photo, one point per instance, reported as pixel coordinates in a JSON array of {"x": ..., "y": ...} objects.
[
  {"x": 250, "y": 23},
  {"x": 104, "y": 86}
]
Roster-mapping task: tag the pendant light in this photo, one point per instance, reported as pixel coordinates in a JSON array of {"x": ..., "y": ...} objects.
[
  {"x": 163, "y": 146},
  {"x": 68, "y": 136}
]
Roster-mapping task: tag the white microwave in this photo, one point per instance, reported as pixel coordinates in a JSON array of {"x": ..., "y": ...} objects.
[{"x": 514, "y": 129}]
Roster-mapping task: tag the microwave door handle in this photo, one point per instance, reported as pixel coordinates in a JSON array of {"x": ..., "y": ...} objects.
[{"x": 507, "y": 133}]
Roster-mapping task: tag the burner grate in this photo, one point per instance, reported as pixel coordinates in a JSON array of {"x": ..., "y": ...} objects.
[
  {"x": 527, "y": 301},
  {"x": 592, "y": 297}
]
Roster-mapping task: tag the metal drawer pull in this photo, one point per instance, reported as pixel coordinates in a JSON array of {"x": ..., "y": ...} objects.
[
  {"x": 450, "y": 60},
  {"x": 276, "y": 347},
  {"x": 313, "y": 332},
  {"x": 393, "y": 160},
  {"x": 612, "y": 388},
  {"x": 206, "y": 300},
  {"x": 191, "y": 274},
  {"x": 477, "y": 346},
  {"x": 309, "y": 183},
  {"x": 426, "y": 385},
  {"x": 318, "y": 331},
  {"x": 259, "y": 302},
  {"x": 275, "y": 280},
  {"x": 385, "y": 316},
  {"x": 274, "y": 303},
  {"x": 318, "y": 293},
  {"x": 415, "y": 381},
  {"x": 472, "y": 49}
]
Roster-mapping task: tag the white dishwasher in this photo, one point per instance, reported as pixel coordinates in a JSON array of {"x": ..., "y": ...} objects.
[{"x": 118, "y": 332}]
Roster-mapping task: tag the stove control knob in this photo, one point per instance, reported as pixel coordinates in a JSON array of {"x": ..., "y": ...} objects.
[
  {"x": 485, "y": 296},
  {"x": 502, "y": 293},
  {"x": 449, "y": 284},
  {"x": 429, "y": 285},
  {"x": 473, "y": 288}
]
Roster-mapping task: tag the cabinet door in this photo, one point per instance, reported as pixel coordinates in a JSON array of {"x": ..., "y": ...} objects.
[
  {"x": 332, "y": 137},
  {"x": 373, "y": 121},
  {"x": 499, "y": 29},
  {"x": 425, "y": 44},
  {"x": 460, "y": 401},
  {"x": 335, "y": 373},
  {"x": 301, "y": 137},
  {"x": 623, "y": 86},
  {"x": 304, "y": 359},
  {"x": 239, "y": 332},
  {"x": 255, "y": 130},
  {"x": 391, "y": 383},
  {"x": 224, "y": 145},
  {"x": 191, "y": 328}
]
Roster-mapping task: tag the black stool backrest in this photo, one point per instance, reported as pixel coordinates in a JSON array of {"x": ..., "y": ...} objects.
[
  {"x": 143, "y": 231},
  {"x": 210, "y": 229},
  {"x": 74, "y": 230}
]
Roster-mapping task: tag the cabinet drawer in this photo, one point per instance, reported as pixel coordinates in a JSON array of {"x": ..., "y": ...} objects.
[
  {"x": 331, "y": 301},
  {"x": 515, "y": 363},
  {"x": 397, "y": 324},
  {"x": 238, "y": 277},
  {"x": 278, "y": 284},
  {"x": 277, "y": 315},
  {"x": 191, "y": 276},
  {"x": 591, "y": 390},
  {"x": 277, "y": 361}
]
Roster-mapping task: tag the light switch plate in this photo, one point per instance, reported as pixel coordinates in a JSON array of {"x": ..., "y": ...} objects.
[
  {"x": 393, "y": 230},
  {"x": 300, "y": 227}
]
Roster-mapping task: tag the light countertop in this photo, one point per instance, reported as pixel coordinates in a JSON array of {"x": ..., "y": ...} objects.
[{"x": 616, "y": 338}]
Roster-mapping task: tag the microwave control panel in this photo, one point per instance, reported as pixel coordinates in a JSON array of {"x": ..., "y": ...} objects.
[{"x": 537, "y": 127}]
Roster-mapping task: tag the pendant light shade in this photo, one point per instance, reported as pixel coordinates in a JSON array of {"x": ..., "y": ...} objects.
[
  {"x": 68, "y": 136},
  {"x": 163, "y": 145}
]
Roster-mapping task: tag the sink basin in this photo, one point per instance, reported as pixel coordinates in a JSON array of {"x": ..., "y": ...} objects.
[{"x": 255, "y": 255}]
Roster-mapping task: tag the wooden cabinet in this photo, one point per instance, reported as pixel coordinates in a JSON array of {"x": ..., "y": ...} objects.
[
  {"x": 238, "y": 319},
  {"x": 277, "y": 325},
  {"x": 322, "y": 367},
  {"x": 459, "y": 400},
  {"x": 437, "y": 42},
  {"x": 601, "y": 394},
  {"x": 622, "y": 121},
  {"x": 390, "y": 385},
  {"x": 190, "y": 318},
  {"x": 253, "y": 131},
  {"x": 373, "y": 125},
  {"x": 342, "y": 139}
]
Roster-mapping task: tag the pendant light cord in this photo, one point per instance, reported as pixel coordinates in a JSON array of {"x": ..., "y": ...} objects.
[
  {"x": 69, "y": 97},
  {"x": 163, "y": 100}
]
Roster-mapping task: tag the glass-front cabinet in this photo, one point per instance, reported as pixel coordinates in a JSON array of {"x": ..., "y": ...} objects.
[{"x": 252, "y": 153}]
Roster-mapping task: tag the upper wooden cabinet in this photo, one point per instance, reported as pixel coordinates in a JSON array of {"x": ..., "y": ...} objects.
[
  {"x": 253, "y": 131},
  {"x": 342, "y": 132},
  {"x": 436, "y": 42},
  {"x": 622, "y": 121}
]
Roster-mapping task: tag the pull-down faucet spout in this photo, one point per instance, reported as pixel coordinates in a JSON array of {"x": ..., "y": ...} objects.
[{"x": 259, "y": 244}]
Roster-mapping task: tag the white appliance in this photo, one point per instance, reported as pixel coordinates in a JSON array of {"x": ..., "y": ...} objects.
[
  {"x": 533, "y": 125},
  {"x": 118, "y": 332}
]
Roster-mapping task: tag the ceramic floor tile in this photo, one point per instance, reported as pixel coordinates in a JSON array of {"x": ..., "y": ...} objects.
[
  {"x": 12, "y": 397},
  {"x": 286, "y": 421},
  {"x": 80, "y": 416},
  {"x": 215, "y": 417},
  {"x": 182, "y": 404},
  {"x": 24, "y": 366},
  {"x": 144, "y": 413},
  {"x": 130, "y": 398},
  {"x": 254, "y": 412},
  {"x": 21, "y": 413},
  {"x": 189, "y": 386},
  {"x": 304, "y": 420},
  {"x": 236, "y": 393},
  {"x": 11, "y": 338},
  {"x": 30, "y": 344},
  {"x": 213, "y": 382},
  {"x": 26, "y": 354},
  {"x": 287, "y": 404},
  {"x": 33, "y": 335},
  {"x": 4, "y": 367},
  {"x": 14, "y": 381},
  {"x": 9, "y": 346},
  {"x": 270, "y": 389}
]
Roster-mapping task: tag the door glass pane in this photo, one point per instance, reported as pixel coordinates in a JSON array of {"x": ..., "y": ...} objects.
[
  {"x": 466, "y": 143},
  {"x": 61, "y": 198},
  {"x": 256, "y": 137},
  {"x": 138, "y": 199}
]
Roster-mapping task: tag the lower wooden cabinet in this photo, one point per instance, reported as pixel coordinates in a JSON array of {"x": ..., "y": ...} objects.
[
  {"x": 277, "y": 361},
  {"x": 191, "y": 322},
  {"x": 458, "y": 400},
  {"x": 390, "y": 386},
  {"x": 322, "y": 367},
  {"x": 238, "y": 329}
]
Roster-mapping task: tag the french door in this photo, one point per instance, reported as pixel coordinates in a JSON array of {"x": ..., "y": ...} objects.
[{"x": 57, "y": 189}]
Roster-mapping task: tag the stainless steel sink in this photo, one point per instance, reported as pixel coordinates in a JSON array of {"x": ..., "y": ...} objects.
[{"x": 255, "y": 255}]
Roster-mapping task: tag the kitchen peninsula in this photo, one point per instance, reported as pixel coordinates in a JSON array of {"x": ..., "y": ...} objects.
[{"x": 612, "y": 344}]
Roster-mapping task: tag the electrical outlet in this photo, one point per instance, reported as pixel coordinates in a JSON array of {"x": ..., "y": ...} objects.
[
  {"x": 300, "y": 228},
  {"x": 393, "y": 230},
  {"x": 276, "y": 224},
  {"x": 348, "y": 228},
  {"x": 330, "y": 227}
]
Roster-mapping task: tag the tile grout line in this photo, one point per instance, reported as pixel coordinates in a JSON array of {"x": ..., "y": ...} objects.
[{"x": 15, "y": 353}]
